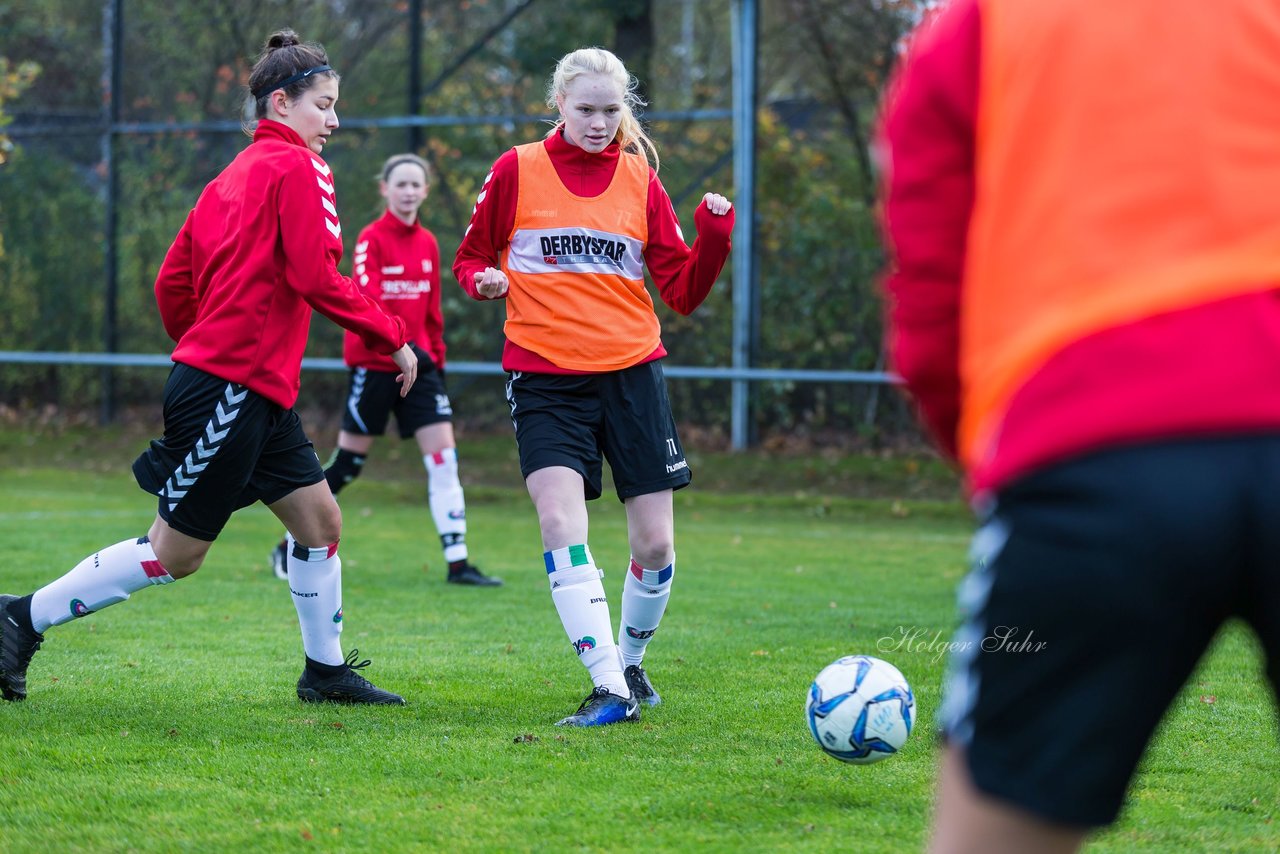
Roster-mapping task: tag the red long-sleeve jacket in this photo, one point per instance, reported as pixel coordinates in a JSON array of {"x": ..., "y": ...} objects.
[
  {"x": 258, "y": 252},
  {"x": 398, "y": 266},
  {"x": 684, "y": 275}
]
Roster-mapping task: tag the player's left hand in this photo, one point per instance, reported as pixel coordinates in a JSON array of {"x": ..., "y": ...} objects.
[{"x": 717, "y": 203}]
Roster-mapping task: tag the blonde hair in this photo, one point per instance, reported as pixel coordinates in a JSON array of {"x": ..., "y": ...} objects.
[{"x": 596, "y": 60}]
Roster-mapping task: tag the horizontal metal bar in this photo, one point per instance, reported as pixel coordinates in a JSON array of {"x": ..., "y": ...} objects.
[
  {"x": 145, "y": 360},
  {"x": 91, "y": 128},
  {"x": 795, "y": 375},
  {"x": 124, "y": 360}
]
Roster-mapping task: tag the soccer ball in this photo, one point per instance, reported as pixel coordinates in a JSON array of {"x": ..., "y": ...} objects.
[{"x": 860, "y": 709}]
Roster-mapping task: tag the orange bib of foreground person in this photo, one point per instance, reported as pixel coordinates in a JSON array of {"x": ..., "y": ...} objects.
[{"x": 1130, "y": 207}]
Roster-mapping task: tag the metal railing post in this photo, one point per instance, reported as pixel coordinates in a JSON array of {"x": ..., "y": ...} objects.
[
  {"x": 112, "y": 34},
  {"x": 745, "y": 305}
]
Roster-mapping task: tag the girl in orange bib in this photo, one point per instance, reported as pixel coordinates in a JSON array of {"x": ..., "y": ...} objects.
[{"x": 563, "y": 230}]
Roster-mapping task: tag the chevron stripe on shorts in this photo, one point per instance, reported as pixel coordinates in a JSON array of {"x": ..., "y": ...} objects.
[
  {"x": 357, "y": 391},
  {"x": 215, "y": 432}
]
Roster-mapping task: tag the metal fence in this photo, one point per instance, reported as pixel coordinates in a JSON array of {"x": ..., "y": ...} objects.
[{"x": 109, "y": 129}]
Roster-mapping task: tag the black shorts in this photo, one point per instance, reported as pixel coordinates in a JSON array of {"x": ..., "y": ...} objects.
[
  {"x": 575, "y": 420},
  {"x": 224, "y": 447},
  {"x": 373, "y": 395},
  {"x": 1096, "y": 587}
]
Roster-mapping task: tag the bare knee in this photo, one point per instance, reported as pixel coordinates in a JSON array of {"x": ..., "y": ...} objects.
[
  {"x": 323, "y": 529},
  {"x": 179, "y": 559},
  {"x": 651, "y": 529},
  {"x": 653, "y": 549},
  {"x": 559, "y": 526},
  {"x": 180, "y": 554},
  {"x": 181, "y": 567}
]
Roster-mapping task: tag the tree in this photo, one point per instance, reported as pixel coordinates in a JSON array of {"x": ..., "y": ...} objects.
[
  {"x": 854, "y": 46},
  {"x": 633, "y": 40},
  {"x": 13, "y": 79},
  {"x": 487, "y": 62}
]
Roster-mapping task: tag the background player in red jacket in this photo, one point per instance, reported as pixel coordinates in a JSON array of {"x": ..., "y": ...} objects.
[
  {"x": 397, "y": 264},
  {"x": 257, "y": 253},
  {"x": 563, "y": 230}
]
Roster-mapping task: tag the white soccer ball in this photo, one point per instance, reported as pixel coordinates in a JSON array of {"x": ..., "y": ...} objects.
[{"x": 860, "y": 709}]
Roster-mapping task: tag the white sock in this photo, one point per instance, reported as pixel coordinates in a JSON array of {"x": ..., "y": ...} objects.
[
  {"x": 578, "y": 594},
  {"x": 99, "y": 581},
  {"x": 315, "y": 580},
  {"x": 644, "y": 599},
  {"x": 448, "y": 506}
]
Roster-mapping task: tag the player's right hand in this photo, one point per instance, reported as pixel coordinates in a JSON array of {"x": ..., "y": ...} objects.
[
  {"x": 491, "y": 284},
  {"x": 407, "y": 361}
]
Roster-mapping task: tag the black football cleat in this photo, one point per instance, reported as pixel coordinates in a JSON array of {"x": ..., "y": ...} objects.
[
  {"x": 641, "y": 687},
  {"x": 17, "y": 645},
  {"x": 347, "y": 687},
  {"x": 280, "y": 561},
  {"x": 469, "y": 574},
  {"x": 602, "y": 708}
]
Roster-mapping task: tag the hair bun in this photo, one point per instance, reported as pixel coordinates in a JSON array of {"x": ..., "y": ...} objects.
[{"x": 282, "y": 38}]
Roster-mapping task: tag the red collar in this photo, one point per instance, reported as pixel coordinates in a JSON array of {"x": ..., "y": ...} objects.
[
  {"x": 268, "y": 129},
  {"x": 566, "y": 152},
  {"x": 388, "y": 220}
]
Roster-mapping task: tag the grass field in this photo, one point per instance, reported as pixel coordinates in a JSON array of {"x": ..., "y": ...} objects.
[{"x": 170, "y": 722}]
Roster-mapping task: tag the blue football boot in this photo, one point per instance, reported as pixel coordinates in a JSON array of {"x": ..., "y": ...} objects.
[{"x": 601, "y": 708}]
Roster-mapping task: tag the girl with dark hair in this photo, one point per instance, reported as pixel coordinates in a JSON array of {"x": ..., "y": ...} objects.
[{"x": 236, "y": 290}]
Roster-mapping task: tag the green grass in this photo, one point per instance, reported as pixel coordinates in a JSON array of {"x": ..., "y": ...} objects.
[{"x": 169, "y": 722}]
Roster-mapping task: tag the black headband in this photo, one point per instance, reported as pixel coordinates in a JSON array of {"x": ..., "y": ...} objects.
[{"x": 289, "y": 81}]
